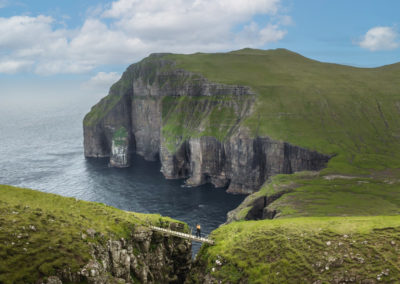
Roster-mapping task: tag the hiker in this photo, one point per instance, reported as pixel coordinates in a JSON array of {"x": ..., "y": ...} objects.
[{"x": 198, "y": 230}]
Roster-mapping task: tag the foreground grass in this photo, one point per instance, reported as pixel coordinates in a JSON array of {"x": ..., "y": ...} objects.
[
  {"x": 304, "y": 250},
  {"x": 42, "y": 233}
]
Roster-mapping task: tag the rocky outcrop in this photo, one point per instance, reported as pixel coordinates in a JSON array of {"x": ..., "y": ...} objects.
[
  {"x": 193, "y": 126},
  {"x": 241, "y": 163},
  {"x": 144, "y": 257},
  {"x": 98, "y": 136},
  {"x": 46, "y": 238},
  {"x": 120, "y": 156}
]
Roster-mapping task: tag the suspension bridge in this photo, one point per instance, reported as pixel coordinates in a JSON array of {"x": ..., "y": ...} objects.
[{"x": 182, "y": 235}]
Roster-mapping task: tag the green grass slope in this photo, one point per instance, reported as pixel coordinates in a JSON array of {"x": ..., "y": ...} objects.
[
  {"x": 194, "y": 117},
  {"x": 41, "y": 233},
  {"x": 313, "y": 194},
  {"x": 334, "y": 109},
  {"x": 303, "y": 250}
]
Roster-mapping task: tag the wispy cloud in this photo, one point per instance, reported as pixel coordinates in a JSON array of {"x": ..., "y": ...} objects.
[
  {"x": 101, "y": 81},
  {"x": 380, "y": 38},
  {"x": 127, "y": 30},
  {"x": 14, "y": 66}
]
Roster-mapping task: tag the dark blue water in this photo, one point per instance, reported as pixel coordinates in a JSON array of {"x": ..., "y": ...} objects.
[{"x": 43, "y": 149}]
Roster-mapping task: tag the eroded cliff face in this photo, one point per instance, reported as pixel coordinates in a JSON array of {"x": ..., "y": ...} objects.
[
  {"x": 147, "y": 257},
  {"x": 144, "y": 257},
  {"x": 193, "y": 126},
  {"x": 241, "y": 163}
]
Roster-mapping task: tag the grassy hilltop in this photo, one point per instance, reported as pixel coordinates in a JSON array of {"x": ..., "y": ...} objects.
[{"x": 334, "y": 109}]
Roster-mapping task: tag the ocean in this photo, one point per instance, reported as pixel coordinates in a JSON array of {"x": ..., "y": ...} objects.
[{"x": 42, "y": 148}]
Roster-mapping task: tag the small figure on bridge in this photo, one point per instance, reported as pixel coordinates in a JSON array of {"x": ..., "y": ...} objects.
[{"x": 198, "y": 230}]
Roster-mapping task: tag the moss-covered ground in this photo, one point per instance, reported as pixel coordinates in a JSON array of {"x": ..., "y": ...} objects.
[
  {"x": 185, "y": 117},
  {"x": 304, "y": 250},
  {"x": 41, "y": 233},
  {"x": 120, "y": 136}
]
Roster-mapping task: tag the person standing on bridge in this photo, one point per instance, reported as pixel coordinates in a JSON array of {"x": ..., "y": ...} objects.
[{"x": 198, "y": 230}]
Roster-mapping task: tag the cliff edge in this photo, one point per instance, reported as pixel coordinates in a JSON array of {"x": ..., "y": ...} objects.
[{"x": 46, "y": 238}]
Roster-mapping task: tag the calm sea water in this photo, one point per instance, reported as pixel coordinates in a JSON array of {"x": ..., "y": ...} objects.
[{"x": 43, "y": 149}]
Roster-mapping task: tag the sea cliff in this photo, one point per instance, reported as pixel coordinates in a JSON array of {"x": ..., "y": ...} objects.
[{"x": 192, "y": 125}]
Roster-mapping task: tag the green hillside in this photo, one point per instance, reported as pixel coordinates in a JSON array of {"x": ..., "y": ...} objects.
[
  {"x": 303, "y": 250},
  {"x": 42, "y": 233},
  {"x": 312, "y": 194},
  {"x": 334, "y": 109}
]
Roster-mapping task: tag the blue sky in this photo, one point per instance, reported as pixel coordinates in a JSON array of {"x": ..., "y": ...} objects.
[{"x": 91, "y": 42}]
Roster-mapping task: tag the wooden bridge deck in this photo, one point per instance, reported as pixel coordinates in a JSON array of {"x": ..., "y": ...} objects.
[{"x": 182, "y": 235}]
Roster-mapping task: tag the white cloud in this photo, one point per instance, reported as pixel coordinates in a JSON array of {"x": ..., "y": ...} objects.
[
  {"x": 252, "y": 35},
  {"x": 13, "y": 66},
  {"x": 22, "y": 32},
  {"x": 380, "y": 38},
  {"x": 187, "y": 26},
  {"x": 127, "y": 30},
  {"x": 101, "y": 81}
]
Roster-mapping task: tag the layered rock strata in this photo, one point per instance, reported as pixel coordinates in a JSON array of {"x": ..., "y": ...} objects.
[
  {"x": 144, "y": 257},
  {"x": 193, "y": 126}
]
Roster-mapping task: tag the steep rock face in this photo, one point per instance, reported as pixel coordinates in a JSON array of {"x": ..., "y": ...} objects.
[
  {"x": 147, "y": 257},
  {"x": 120, "y": 148},
  {"x": 194, "y": 127},
  {"x": 98, "y": 137},
  {"x": 241, "y": 163},
  {"x": 146, "y": 126},
  {"x": 144, "y": 257}
]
